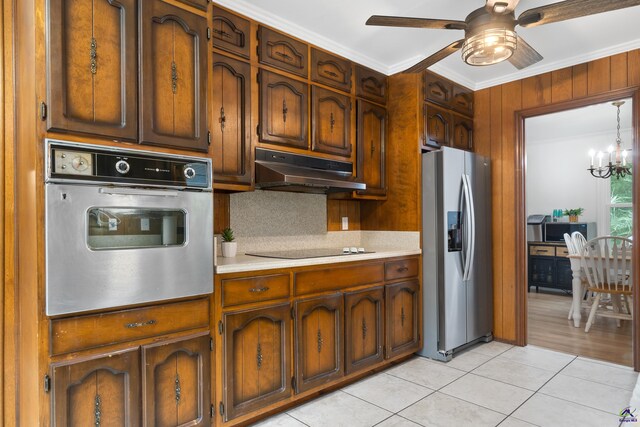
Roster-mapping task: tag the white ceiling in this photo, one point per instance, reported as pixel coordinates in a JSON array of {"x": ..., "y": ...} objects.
[{"x": 339, "y": 26}]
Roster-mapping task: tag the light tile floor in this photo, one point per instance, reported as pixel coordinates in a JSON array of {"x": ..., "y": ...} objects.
[{"x": 488, "y": 385}]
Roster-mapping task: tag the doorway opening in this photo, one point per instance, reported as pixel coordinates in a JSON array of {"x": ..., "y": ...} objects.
[{"x": 555, "y": 149}]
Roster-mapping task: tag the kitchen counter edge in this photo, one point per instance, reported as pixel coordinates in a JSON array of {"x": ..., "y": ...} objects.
[{"x": 243, "y": 263}]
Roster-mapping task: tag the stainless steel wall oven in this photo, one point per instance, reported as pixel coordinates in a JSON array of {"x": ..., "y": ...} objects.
[{"x": 125, "y": 227}]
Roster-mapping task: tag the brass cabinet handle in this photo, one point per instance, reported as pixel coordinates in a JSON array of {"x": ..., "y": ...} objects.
[
  {"x": 285, "y": 110},
  {"x": 402, "y": 316},
  {"x": 93, "y": 54},
  {"x": 259, "y": 356},
  {"x": 364, "y": 329},
  {"x": 259, "y": 290},
  {"x": 373, "y": 148},
  {"x": 177, "y": 389},
  {"x": 174, "y": 77},
  {"x": 222, "y": 33},
  {"x": 332, "y": 121},
  {"x": 284, "y": 56},
  {"x": 222, "y": 119},
  {"x": 140, "y": 324},
  {"x": 402, "y": 269},
  {"x": 330, "y": 73},
  {"x": 97, "y": 412},
  {"x": 320, "y": 341}
]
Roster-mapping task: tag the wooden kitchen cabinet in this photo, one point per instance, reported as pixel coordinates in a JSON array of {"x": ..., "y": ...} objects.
[
  {"x": 371, "y": 85},
  {"x": 230, "y": 32},
  {"x": 231, "y": 121},
  {"x": 364, "y": 328},
  {"x": 173, "y": 77},
  {"x": 101, "y": 390},
  {"x": 257, "y": 366},
  {"x": 462, "y": 100},
  {"x": 462, "y": 134},
  {"x": 176, "y": 383},
  {"x": 319, "y": 341},
  {"x": 92, "y": 68},
  {"x": 437, "y": 126},
  {"x": 200, "y": 4},
  {"x": 330, "y": 122},
  {"x": 437, "y": 89},
  {"x": 283, "y": 110},
  {"x": 281, "y": 51},
  {"x": 402, "y": 318},
  {"x": 330, "y": 70},
  {"x": 371, "y": 140}
]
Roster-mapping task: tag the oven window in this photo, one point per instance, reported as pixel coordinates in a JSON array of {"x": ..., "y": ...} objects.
[{"x": 125, "y": 228}]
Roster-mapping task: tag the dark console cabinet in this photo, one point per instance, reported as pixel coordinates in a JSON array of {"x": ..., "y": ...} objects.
[{"x": 549, "y": 267}]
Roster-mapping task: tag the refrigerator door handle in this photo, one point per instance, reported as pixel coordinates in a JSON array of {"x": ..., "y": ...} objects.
[
  {"x": 468, "y": 237},
  {"x": 471, "y": 241}
]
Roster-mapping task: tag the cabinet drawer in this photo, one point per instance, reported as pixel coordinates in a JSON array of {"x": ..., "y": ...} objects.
[
  {"x": 230, "y": 32},
  {"x": 542, "y": 250},
  {"x": 330, "y": 70},
  {"x": 562, "y": 251},
  {"x": 97, "y": 330},
  {"x": 283, "y": 52},
  {"x": 371, "y": 85},
  {"x": 437, "y": 89},
  {"x": 333, "y": 278},
  {"x": 254, "y": 289},
  {"x": 401, "y": 269}
]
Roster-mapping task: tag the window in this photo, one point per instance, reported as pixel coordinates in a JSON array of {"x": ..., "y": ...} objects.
[{"x": 616, "y": 216}]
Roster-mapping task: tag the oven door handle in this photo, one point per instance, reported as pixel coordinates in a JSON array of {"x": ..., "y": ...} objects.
[{"x": 138, "y": 192}]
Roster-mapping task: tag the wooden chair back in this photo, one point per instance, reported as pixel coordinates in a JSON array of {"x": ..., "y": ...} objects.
[{"x": 607, "y": 264}]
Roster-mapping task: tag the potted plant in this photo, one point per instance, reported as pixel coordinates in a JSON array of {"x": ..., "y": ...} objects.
[
  {"x": 229, "y": 247},
  {"x": 573, "y": 214}
]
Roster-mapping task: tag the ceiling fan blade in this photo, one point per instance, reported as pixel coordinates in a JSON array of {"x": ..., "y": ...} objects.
[
  {"x": 524, "y": 55},
  {"x": 436, "y": 57},
  {"x": 570, "y": 9},
  {"x": 501, "y": 7},
  {"x": 399, "y": 21}
]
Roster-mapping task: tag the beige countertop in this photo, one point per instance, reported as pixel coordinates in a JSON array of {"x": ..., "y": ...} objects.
[{"x": 243, "y": 263}]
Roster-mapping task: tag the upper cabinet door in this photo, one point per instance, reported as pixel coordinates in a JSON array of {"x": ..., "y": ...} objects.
[
  {"x": 462, "y": 133},
  {"x": 283, "y": 52},
  {"x": 230, "y": 32},
  {"x": 91, "y": 67},
  {"x": 283, "y": 110},
  {"x": 331, "y": 122},
  {"x": 462, "y": 100},
  {"x": 372, "y": 131},
  {"x": 231, "y": 119},
  {"x": 173, "y": 77},
  {"x": 437, "y": 126},
  {"x": 371, "y": 85},
  {"x": 437, "y": 89},
  {"x": 330, "y": 70}
]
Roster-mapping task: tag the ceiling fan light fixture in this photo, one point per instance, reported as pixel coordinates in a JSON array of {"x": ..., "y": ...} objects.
[{"x": 489, "y": 46}]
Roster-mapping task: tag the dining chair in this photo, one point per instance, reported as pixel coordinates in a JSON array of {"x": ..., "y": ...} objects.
[{"x": 607, "y": 266}]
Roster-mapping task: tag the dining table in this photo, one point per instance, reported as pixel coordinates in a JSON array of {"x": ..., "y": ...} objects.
[{"x": 576, "y": 287}]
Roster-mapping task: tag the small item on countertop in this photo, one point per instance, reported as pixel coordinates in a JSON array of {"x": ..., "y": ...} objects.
[
  {"x": 354, "y": 250},
  {"x": 346, "y": 250},
  {"x": 360, "y": 250}
]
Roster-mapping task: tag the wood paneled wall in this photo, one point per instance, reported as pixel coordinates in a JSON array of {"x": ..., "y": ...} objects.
[
  {"x": 336, "y": 209},
  {"x": 496, "y": 136}
]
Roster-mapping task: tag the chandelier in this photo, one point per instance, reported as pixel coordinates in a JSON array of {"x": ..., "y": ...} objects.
[{"x": 617, "y": 162}]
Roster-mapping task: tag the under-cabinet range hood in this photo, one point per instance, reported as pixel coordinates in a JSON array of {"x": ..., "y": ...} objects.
[{"x": 277, "y": 170}]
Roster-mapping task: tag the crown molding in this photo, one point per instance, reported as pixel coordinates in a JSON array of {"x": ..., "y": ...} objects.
[{"x": 263, "y": 16}]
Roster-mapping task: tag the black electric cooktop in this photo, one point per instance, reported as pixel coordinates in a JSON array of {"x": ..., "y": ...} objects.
[{"x": 306, "y": 253}]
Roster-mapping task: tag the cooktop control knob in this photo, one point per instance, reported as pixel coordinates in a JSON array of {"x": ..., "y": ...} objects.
[
  {"x": 122, "y": 166},
  {"x": 189, "y": 172}
]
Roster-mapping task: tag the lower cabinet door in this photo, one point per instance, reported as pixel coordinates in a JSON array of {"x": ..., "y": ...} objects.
[
  {"x": 177, "y": 383},
  {"x": 318, "y": 341},
  {"x": 102, "y": 391},
  {"x": 257, "y": 365},
  {"x": 401, "y": 305},
  {"x": 364, "y": 328}
]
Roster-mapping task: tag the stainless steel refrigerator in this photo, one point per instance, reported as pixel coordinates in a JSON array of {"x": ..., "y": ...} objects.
[{"x": 456, "y": 251}]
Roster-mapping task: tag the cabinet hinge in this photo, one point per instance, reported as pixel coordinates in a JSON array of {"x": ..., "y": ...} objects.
[
  {"x": 209, "y": 137},
  {"x": 208, "y": 33},
  {"x": 47, "y": 383},
  {"x": 293, "y": 382},
  {"x": 259, "y": 76},
  {"x": 221, "y": 408},
  {"x": 220, "y": 327},
  {"x": 212, "y": 410},
  {"x": 43, "y": 111},
  {"x": 258, "y": 130},
  {"x": 293, "y": 312},
  {"x": 210, "y": 343}
]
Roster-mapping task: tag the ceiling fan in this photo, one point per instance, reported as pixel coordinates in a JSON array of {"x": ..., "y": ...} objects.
[{"x": 489, "y": 35}]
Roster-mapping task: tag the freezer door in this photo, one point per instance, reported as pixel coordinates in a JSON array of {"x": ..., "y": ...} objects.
[
  {"x": 452, "y": 290},
  {"x": 479, "y": 303}
]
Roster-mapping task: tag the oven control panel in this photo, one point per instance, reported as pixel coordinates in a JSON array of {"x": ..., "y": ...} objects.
[{"x": 77, "y": 162}]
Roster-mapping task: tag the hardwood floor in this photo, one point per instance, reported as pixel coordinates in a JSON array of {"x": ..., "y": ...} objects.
[{"x": 549, "y": 327}]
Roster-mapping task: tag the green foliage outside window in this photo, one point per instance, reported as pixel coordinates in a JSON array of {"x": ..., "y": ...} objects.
[{"x": 621, "y": 216}]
